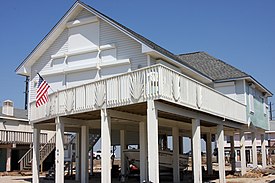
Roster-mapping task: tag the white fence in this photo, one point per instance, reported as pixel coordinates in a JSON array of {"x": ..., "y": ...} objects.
[
  {"x": 17, "y": 137},
  {"x": 154, "y": 82}
]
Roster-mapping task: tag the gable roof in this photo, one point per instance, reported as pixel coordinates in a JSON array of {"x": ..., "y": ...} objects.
[
  {"x": 121, "y": 27},
  {"x": 214, "y": 68},
  {"x": 218, "y": 70}
]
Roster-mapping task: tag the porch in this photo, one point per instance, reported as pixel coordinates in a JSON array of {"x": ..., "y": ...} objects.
[{"x": 136, "y": 107}]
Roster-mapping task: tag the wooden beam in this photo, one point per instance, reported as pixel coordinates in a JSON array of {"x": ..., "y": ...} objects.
[
  {"x": 126, "y": 115},
  {"x": 196, "y": 114}
]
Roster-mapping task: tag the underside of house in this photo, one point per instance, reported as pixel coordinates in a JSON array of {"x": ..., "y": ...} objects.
[{"x": 111, "y": 82}]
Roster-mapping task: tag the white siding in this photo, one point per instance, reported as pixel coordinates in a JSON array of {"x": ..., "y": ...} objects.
[
  {"x": 83, "y": 14},
  {"x": 227, "y": 88},
  {"x": 78, "y": 78},
  {"x": 44, "y": 63},
  {"x": 124, "y": 48},
  {"x": 127, "y": 48},
  {"x": 13, "y": 125},
  {"x": 240, "y": 93}
]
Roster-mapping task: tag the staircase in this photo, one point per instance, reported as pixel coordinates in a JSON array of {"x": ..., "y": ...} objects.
[
  {"x": 94, "y": 136},
  {"x": 26, "y": 161}
]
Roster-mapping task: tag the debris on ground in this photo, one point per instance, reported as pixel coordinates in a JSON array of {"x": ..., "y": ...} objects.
[
  {"x": 256, "y": 173},
  {"x": 4, "y": 174}
]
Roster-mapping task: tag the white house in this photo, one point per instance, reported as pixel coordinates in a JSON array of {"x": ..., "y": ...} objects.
[
  {"x": 16, "y": 139},
  {"x": 106, "y": 77},
  {"x": 15, "y": 136}
]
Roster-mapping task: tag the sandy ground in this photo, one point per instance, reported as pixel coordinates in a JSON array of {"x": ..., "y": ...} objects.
[
  {"x": 27, "y": 179},
  {"x": 16, "y": 177}
]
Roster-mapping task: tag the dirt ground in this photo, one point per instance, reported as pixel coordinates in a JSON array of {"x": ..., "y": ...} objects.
[
  {"x": 252, "y": 176},
  {"x": 27, "y": 179}
]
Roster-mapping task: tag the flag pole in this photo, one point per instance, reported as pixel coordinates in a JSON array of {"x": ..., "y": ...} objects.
[{"x": 44, "y": 80}]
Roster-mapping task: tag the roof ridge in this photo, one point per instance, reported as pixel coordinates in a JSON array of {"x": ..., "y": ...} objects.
[{"x": 190, "y": 53}]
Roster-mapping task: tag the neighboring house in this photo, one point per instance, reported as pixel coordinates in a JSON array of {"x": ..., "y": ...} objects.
[
  {"x": 111, "y": 82},
  {"x": 16, "y": 139},
  {"x": 248, "y": 147},
  {"x": 235, "y": 84},
  {"x": 271, "y": 142},
  {"x": 239, "y": 86},
  {"x": 15, "y": 136}
]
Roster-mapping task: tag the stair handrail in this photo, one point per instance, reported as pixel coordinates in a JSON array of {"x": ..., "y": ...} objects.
[
  {"x": 47, "y": 148},
  {"x": 24, "y": 160},
  {"x": 73, "y": 136}
]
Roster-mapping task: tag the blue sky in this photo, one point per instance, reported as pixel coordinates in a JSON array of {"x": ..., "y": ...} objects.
[{"x": 241, "y": 33}]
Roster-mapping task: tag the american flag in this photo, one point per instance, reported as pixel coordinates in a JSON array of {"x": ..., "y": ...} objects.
[{"x": 42, "y": 92}]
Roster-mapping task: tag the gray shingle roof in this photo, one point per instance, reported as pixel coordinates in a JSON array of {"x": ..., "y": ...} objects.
[
  {"x": 144, "y": 40},
  {"x": 17, "y": 113},
  {"x": 212, "y": 67}
]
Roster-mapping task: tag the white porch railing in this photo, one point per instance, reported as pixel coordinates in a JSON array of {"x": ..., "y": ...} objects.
[
  {"x": 19, "y": 137},
  {"x": 154, "y": 82}
]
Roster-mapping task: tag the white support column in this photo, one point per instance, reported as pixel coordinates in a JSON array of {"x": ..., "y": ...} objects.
[
  {"x": 105, "y": 147},
  {"x": 209, "y": 154},
  {"x": 152, "y": 136},
  {"x": 254, "y": 150},
  {"x": 196, "y": 150},
  {"x": 36, "y": 155},
  {"x": 84, "y": 154},
  {"x": 8, "y": 162},
  {"x": 143, "y": 151},
  {"x": 221, "y": 163},
  {"x": 243, "y": 159},
  {"x": 176, "y": 165},
  {"x": 263, "y": 149},
  {"x": 122, "y": 156},
  {"x": 232, "y": 154},
  {"x": 77, "y": 155},
  {"x": 59, "y": 152}
]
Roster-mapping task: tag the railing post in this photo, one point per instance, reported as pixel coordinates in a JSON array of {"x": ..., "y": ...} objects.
[{"x": 21, "y": 165}]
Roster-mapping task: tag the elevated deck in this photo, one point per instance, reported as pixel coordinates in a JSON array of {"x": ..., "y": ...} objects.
[{"x": 156, "y": 82}]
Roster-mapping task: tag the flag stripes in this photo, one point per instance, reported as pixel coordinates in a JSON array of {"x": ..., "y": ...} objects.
[{"x": 42, "y": 92}]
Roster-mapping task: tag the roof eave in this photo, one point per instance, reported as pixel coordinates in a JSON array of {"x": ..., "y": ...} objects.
[
  {"x": 14, "y": 118},
  {"x": 24, "y": 67}
]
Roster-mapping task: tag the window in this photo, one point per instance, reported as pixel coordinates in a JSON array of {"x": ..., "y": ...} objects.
[
  {"x": 265, "y": 106},
  {"x": 251, "y": 98}
]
